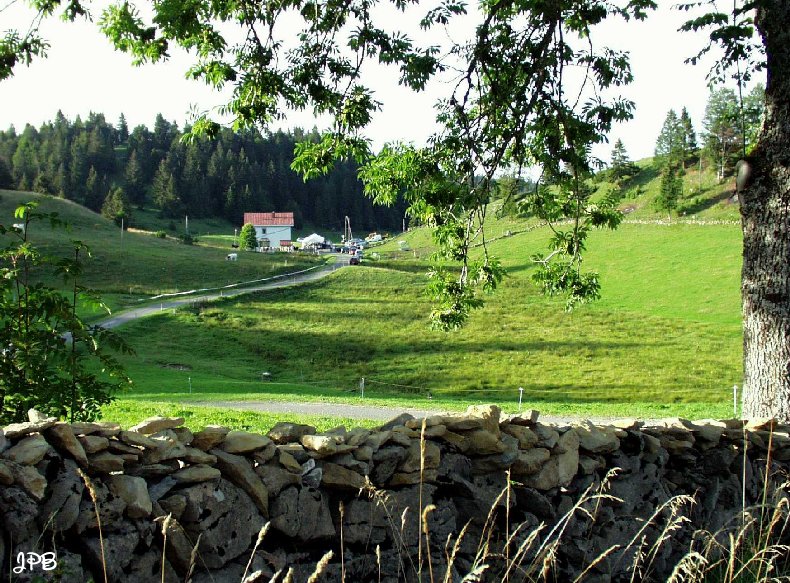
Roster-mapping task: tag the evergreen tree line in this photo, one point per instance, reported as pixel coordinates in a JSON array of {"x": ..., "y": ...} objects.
[
  {"x": 730, "y": 128},
  {"x": 729, "y": 131},
  {"x": 112, "y": 169}
]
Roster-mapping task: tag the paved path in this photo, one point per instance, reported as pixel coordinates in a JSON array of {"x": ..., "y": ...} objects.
[
  {"x": 365, "y": 411},
  {"x": 325, "y": 409},
  {"x": 276, "y": 282}
]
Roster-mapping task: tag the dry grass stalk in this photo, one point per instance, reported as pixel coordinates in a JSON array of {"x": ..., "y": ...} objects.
[
  {"x": 95, "y": 498},
  {"x": 523, "y": 549},
  {"x": 193, "y": 561},
  {"x": 546, "y": 554},
  {"x": 451, "y": 556},
  {"x": 289, "y": 576},
  {"x": 595, "y": 561},
  {"x": 426, "y": 530},
  {"x": 319, "y": 568},
  {"x": 342, "y": 555},
  {"x": 690, "y": 569},
  {"x": 382, "y": 499},
  {"x": 419, "y": 511},
  {"x": 258, "y": 541},
  {"x": 507, "y": 526},
  {"x": 676, "y": 519},
  {"x": 475, "y": 575},
  {"x": 165, "y": 529},
  {"x": 378, "y": 560}
]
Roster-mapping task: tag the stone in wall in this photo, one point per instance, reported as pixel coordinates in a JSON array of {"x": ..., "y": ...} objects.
[{"x": 476, "y": 473}]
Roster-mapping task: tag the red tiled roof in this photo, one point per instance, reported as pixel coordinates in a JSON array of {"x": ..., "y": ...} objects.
[{"x": 269, "y": 219}]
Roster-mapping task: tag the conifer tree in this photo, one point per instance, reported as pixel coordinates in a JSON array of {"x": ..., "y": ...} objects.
[
  {"x": 165, "y": 192},
  {"x": 689, "y": 136},
  {"x": 669, "y": 145},
  {"x": 671, "y": 190},
  {"x": 117, "y": 207}
]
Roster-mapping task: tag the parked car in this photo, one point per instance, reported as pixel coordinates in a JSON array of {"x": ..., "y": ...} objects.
[{"x": 353, "y": 260}]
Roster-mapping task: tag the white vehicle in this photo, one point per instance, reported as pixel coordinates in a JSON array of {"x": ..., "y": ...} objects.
[{"x": 373, "y": 238}]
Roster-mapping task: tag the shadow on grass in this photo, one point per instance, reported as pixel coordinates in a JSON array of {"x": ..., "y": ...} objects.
[{"x": 699, "y": 204}]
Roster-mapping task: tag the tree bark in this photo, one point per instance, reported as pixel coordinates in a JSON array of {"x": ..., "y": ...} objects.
[{"x": 765, "y": 217}]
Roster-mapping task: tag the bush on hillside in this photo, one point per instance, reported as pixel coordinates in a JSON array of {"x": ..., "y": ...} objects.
[
  {"x": 247, "y": 238},
  {"x": 48, "y": 354}
]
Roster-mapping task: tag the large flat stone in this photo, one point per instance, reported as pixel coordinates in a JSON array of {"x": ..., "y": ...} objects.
[
  {"x": 62, "y": 437},
  {"x": 134, "y": 492},
  {"x": 276, "y": 478},
  {"x": 243, "y": 442},
  {"x": 483, "y": 442},
  {"x": 302, "y": 514},
  {"x": 284, "y": 432},
  {"x": 17, "y": 430},
  {"x": 29, "y": 450},
  {"x": 225, "y": 516},
  {"x": 105, "y": 463},
  {"x": 340, "y": 478},
  {"x": 93, "y": 443},
  {"x": 156, "y": 424},
  {"x": 61, "y": 508},
  {"x": 429, "y": 454},
  {"x": 134, "y": 438},
  {"x": 530, "y": 461},
  {"x": 238, "y": 470},
  {"x": 490, "y": 414},
  {"x": 196, "y": 474},
  {"x": 6, "y": 474},
  {"x": 29, "y": 479},
  {"x": 594, "y": 439},
  {"x": 210, "y": 437}
]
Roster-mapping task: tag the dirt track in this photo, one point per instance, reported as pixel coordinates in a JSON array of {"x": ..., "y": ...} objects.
[
  {"x": 281, "y": 281},
  {"x": 362, "y": 411}
]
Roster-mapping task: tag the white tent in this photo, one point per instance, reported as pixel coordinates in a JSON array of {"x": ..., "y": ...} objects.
[{"x": 313, "y": 239}]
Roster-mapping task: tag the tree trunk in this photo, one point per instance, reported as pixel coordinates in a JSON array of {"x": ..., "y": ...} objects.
[{"x": 765, "y": 217}]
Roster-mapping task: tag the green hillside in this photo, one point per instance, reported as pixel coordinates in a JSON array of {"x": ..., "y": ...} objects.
[
  {"x": 703, "y": 197},
  {"x": 664, "y": 340},
  {"x": 129, "y": 266}
]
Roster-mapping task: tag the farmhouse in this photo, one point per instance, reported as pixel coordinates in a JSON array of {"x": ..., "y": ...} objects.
[{"x": 271, "y": 229}]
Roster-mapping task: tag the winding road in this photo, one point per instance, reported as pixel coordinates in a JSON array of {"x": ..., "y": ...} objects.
[
  {"x": 277, "y": 281},
  {"x": 301, "y": 407}
]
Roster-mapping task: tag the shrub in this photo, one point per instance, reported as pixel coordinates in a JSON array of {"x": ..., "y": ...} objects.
[
  {"x": 49, "y": 358},
  {"x": 161, "y": 234},
  {"x": 247, "y": 237}
]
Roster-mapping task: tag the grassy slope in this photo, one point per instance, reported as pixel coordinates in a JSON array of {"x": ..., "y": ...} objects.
[
  {"x": 703, "y": 196},
  {"x": 665, "y": 339},
  {"x": 138, "y": 265},
  {"x": 632, "y": 353}
]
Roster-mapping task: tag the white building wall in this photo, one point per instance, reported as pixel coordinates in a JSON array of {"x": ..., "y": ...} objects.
[{"x": 274, "y": 234}]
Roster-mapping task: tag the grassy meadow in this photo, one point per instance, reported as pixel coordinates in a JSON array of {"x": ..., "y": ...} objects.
[
  {"x": 664, "y": 340},
  {"x": 132, "y": 266}
]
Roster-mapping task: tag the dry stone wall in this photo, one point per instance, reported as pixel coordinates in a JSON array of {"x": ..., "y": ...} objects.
[{"x": 85, "y": 501}]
